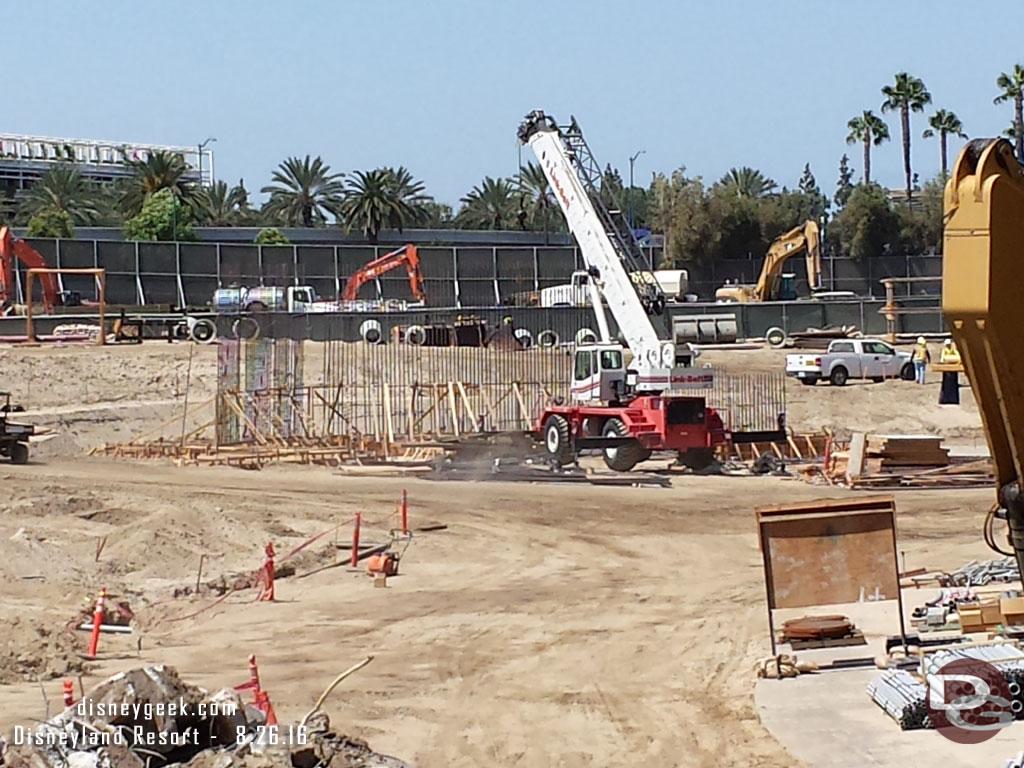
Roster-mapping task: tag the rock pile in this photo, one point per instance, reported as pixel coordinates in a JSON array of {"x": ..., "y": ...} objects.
[{"x": 149, "y": 717}]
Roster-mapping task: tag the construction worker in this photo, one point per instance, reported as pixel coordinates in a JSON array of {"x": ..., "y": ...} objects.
[
  {"x": 949, "y": 394},
  {"x": 921, "y": 359}
]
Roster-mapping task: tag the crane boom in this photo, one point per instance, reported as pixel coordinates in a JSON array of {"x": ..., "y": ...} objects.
[
  {"x": 610, "y": 256},
  {"x": 407, "y": 255}
]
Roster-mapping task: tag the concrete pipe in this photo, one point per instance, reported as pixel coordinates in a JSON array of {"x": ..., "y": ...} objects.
[
  {"x": 416, "y": 335},
  {"x": 203, "y": 331},
  {"x": 525, "y": 337},
  {"x": 547, "y": 338},
  {"x": 776, "y": 337},
  {"x": 245, "y": 328},
  {"x": 585, "y": 336},
  {"x": 371, "y": 332}
]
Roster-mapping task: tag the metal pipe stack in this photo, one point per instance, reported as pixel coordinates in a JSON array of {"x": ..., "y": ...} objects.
[
  {"x": 976, "y": 574},
  {"x": 903, "y": 698},
  {"x": 1005, "y": 657},
  {"x": 1015, "y": 762}
]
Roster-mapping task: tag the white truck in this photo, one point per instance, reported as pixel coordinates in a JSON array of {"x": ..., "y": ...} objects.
[
  {"x": 674, "y": 283},
  {"x": 848, "y": 359},
  {"x": 296, "y": 299}
]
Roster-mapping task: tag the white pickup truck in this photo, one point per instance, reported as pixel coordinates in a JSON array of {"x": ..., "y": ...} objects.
[{"x": 851, "y": 359}]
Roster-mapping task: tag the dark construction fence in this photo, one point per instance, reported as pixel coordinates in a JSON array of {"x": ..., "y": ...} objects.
[{"x": 187, "y": 274}]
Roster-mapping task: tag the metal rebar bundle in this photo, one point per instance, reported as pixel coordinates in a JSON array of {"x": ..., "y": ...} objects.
[
  {"x": 976, "y": 574},
  {"x": 904, "y": 698}
]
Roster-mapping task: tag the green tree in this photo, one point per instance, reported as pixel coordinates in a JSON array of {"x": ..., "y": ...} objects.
[
  {"x": 680, "y": 208},
  {"x": 944, "y": 124},
  {"x": 868, "y": 129},
  {"x": 271, "y": 236},
  {"x": 410, "y": 192},
  {"x": 1012, "y": 86},
  {"x": 844, "y": 186},
  {"x": 540, "y": 203},
  {"x": 492, "y": 204},
  {"x": 304, "y": 192},
  {"x": 221, "y": 206},
  {"x": 808, "y": 186},
  {"x": 438, "y": 215},
  {"x": 63, "y": 190},
  {"x": 747, "y": 182},
  {"x": 867, "y": 226},
  {"x": 51, "y": 222},
  {"x": 163, "y": 217},
  {"x": 907, "y": 94},
  {"x": 161, "y": 170},
  {"x": 374, "y": 202}
]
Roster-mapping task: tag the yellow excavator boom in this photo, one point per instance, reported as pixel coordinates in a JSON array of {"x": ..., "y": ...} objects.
[{"x": 982, "y": 290}]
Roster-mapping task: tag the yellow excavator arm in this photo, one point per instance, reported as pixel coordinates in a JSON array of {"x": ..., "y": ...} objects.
[
  {"x": 805, "y": 238},
  {"x": 982, "y": 289}
]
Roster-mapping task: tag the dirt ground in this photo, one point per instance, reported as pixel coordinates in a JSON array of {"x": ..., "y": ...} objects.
[{"x": 547, "y": 624}]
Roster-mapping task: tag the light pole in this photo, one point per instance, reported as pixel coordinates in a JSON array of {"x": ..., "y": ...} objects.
[
  {"x": 201, "y": 148},
  {"x": 631, "y": 161}
]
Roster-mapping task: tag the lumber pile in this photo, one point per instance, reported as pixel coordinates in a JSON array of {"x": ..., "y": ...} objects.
[
  {"x": 900, "y": 461},
  {"x": 908, "y": 451}
]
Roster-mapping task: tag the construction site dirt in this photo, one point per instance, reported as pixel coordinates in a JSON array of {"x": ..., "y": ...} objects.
[{"x": 541, "y": 625}]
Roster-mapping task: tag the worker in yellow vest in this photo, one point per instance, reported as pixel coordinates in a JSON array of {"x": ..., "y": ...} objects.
[
  {"x": 949, "y": 394},
  {"x": 921, "y": 359}
]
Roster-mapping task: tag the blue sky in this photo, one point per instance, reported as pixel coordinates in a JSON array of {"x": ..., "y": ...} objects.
[{"x": 440, "y": 85}]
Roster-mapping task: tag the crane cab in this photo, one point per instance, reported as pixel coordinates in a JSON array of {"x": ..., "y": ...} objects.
[{"x": 598, "y": 373}]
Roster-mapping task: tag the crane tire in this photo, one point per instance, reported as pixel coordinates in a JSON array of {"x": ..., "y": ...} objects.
[
  {"x": 371, "y": 332},
  {"x": 776, "y": 337},
  {"x": 626, "y": 456},
  {"x": 556, "y": 439},
  {"x": 203, "y": 331},
  {"x": 585, "y": 336},
  {"x": 241, "y": 324},
  {"x": 416, "y": 335},
  {"x": 547, "y": 338}
]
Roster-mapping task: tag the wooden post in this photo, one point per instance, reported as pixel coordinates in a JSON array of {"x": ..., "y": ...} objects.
[{"x": 455, "y": 411}]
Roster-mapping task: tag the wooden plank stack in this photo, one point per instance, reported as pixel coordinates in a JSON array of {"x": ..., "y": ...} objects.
[{"x": 897, "y": 451}]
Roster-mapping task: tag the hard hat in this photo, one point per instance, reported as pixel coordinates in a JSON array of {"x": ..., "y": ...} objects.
[
  {"x": 949, "y": 342},
  {"x": 920, "y": 340}
]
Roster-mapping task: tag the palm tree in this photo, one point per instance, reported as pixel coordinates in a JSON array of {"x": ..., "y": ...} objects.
[
  {"x": 870, "y": 129},
  {"x": 410, "y": 191},
  {"x": 63, "y": 190},
  {"x": 220, "y": 205},
  {"x": 373, "y": 201},
  {"x": 907, "y": 94},
  {"x": 304, "y": 192},
  {"x": 161, "y": 170},
  {"x": 1012, "y": 87},
  {"x": 489, "y": 205},
  {"x": 533, "y": 185},
  {"x": 944, "y": 124},
  {"x": 747, "y": 182}
]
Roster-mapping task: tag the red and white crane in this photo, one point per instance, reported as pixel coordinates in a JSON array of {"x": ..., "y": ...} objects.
[{"x": 625, "y": 409}]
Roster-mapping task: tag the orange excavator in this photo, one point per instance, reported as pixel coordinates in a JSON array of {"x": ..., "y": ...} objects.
[
  {"x": 406, "y": 255},
  {"x": 11, "y": 249}
]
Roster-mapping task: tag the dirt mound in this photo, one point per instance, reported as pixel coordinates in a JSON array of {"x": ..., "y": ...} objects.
[{"x": 31, "y": 651}]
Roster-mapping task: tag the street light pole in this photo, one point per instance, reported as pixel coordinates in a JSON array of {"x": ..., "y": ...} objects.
[
  {"x": 202, "y": 146},
  {"x": 630, "y": 198}
]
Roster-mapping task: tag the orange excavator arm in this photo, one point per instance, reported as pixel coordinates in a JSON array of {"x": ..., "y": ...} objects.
[
  {"x": 12, "y": 248},
  {"x": 406, "y": 255}
]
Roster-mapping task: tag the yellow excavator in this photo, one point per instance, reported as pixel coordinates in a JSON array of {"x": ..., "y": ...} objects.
[
  {"x": 982, "y": 285},
  {"x": 805, "y": 238}
]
